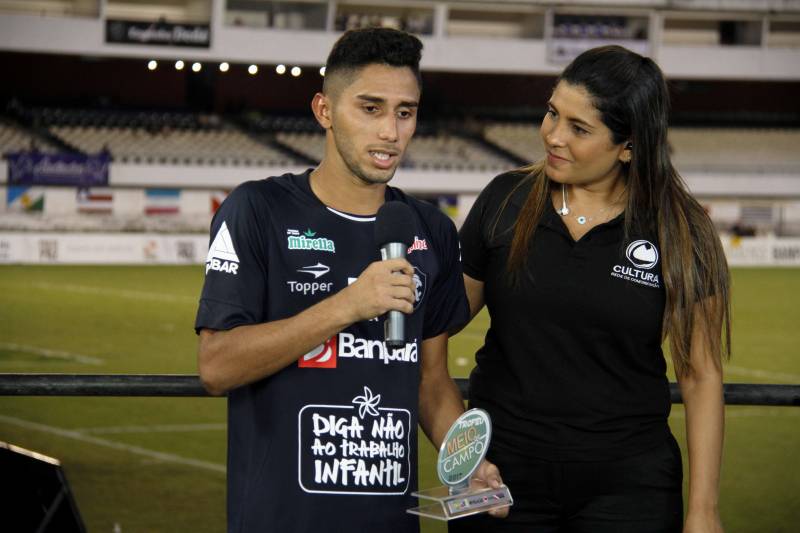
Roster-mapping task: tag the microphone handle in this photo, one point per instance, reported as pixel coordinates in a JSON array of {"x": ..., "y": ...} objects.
[{"x": 394, "y": 327}]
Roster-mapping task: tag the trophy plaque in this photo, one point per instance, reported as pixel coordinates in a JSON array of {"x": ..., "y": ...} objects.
[{"x": 460, "y": 454}]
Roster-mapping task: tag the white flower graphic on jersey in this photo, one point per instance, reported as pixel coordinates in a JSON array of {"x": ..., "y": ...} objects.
[
  {"x": 221, "y": 254},
  {"x": 367, "y": 403}
]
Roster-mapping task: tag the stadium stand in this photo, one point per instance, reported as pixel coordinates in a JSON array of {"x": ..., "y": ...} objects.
[
  {"x": 13, "y": 138},
  {"x": 166, "y": 138},
  {"x": 694, "y": 149}
]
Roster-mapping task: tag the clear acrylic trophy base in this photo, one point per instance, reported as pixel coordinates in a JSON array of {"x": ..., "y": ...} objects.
[{"x": 449, "y": 503}]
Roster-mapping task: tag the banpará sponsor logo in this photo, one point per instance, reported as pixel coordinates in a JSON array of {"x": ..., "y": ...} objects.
[
  {"x": 348, "y": 346},
  {"x": 309, "y": 287},
  {"x": 308, "y": 241},
  {"x": 323, "y": 356},
  {"x": 351, "y": 346}
]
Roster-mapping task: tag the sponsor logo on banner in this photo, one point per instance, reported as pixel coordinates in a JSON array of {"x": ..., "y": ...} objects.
[
  {"x": 361, "y": 448},
  {"x": 221, "y": 254},
  {"x": 323, "y": 356},
  {"x": 643, "y": 255},
  {"x": 159, "y": 33},
  {"x": 48, "y": 250},
  {"x": 5, "y": 250},
  {"x": 309, "y": 241},
  {"x": 151, "y": 250},
  {"x": 419, "y": 244},
  {"x": 184, "y": 251},
  {"x": 37, "y": 168}
]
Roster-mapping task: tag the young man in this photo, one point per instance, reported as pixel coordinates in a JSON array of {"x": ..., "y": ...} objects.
[{"x": 322, "y": 415}]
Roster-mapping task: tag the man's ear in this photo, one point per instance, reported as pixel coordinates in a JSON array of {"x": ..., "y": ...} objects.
[{"x": 321, "y": 107}]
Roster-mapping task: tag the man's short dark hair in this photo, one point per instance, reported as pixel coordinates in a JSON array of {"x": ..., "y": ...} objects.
[{"x": 383, "y": 46}]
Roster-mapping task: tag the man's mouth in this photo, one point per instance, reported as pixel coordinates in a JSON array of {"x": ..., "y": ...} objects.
[{"x": 382, "y": 159}]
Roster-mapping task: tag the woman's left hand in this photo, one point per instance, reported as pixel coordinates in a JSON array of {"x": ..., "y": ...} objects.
[
  {"x": 703, "y": 522},
  {"x": 488, "y": 474}
]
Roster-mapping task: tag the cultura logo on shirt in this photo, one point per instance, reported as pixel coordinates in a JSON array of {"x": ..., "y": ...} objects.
[
  {"x": 308, "y": 241},
  {"x": 643, "y": 255},
  {"x": 221, "y": 254}
]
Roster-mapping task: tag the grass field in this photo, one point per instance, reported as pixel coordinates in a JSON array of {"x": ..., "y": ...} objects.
[{"x": 157, "y": 464}]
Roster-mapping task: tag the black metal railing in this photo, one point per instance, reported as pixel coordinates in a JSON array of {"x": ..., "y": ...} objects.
[{"x": 184, "y": 385}]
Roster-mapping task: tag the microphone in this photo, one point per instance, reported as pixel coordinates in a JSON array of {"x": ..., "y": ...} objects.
[{"x": 394, "y": 233}]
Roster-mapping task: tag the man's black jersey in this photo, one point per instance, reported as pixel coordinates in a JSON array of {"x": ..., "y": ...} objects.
[{"x": 330, "y": 442}]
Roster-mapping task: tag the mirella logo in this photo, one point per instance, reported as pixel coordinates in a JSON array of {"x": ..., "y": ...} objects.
[{"x": 642, "y": 254}]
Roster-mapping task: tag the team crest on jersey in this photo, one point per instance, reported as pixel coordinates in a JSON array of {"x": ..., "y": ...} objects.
[
  {"x": 221, "y": 254},
  {"x": 420, "y": 284},
  {"x": 308, "y": 240}
]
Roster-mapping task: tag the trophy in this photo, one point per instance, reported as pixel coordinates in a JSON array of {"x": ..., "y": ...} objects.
[{"x": 462, "y": 451}]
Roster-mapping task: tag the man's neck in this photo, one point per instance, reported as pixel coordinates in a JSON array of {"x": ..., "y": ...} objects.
[{"x": 340, "y": 190}]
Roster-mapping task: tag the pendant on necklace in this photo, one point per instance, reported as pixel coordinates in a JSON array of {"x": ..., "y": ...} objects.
[{"x": 581, "y": 220}]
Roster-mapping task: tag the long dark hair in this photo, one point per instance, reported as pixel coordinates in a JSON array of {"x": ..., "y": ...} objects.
[{"x": 631, "y": 95}]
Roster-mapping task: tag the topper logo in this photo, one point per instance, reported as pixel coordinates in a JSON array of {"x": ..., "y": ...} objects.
[{"x": 323, "y": 356}]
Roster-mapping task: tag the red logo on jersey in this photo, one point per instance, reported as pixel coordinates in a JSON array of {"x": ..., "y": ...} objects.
[
  {"x": 419, "y": 244},
  {"x": 323, "y": 356}
]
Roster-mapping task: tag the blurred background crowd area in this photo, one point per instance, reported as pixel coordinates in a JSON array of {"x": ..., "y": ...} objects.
[{"x": 177, "y": 102}]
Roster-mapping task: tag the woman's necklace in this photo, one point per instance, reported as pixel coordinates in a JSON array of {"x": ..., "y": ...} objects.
[{"x": 564, "y": 211}]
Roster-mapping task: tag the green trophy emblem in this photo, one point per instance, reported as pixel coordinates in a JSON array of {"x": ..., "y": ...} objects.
[
  {"x": 460, "y": 455},
  {"x": 464, "y": 447}
]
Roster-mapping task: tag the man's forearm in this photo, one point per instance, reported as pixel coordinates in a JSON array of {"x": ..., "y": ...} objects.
[
  {"x": 242, "y": 355},
  {"x": 440, "y": 401}
]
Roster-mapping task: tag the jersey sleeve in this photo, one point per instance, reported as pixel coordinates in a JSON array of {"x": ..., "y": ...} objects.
[
  {"x": 474, "y": 250},
  {"x": 235, "y": 288},
  {"x": 448, "y": 306}
]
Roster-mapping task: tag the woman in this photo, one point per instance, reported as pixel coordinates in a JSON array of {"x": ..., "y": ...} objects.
[{"x": 587, "y": 261}]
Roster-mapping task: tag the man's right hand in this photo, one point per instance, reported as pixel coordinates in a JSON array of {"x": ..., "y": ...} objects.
[{"x": 383, "y": 286}]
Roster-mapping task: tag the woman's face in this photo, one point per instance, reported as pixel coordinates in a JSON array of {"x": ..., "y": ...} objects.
[{"x": 579, "y": 147}]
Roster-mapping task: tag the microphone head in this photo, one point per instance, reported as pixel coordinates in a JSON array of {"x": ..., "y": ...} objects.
[{"x": 394, "y": 223}]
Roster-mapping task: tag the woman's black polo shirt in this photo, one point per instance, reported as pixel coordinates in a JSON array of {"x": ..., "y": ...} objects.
[{"x": 572, "y": 367}]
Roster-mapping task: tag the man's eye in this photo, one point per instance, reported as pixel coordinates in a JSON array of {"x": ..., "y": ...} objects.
[
  {"x": 552, "y": 112},
  {"x": 370, "y": 108}
]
